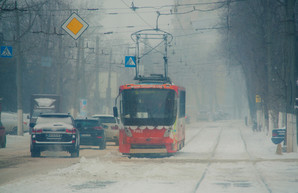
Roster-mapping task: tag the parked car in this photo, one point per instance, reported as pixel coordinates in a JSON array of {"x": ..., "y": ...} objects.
[
  {"x": 54, "y": 132},
  {"x": 91, "y": 132},
  {"x": 2, "y": 136},
  {"x": 111, "y": 126},
  {"x": 10, "y": 122}
]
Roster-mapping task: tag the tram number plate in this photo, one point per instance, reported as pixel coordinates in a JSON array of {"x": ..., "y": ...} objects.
[{"x": 54, "y": 135}]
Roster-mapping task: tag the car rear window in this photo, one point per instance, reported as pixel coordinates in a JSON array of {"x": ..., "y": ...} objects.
[
  {"x": 107, "y": 119},
  {"x": 67, "y": 120},
  {"x": 86, "y": 123}
]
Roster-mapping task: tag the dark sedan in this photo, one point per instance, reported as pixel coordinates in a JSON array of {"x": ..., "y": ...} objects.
[{"x": 91, "y": 132}]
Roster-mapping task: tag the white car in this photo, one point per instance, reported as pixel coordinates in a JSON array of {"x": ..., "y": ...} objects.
[
  {"x": 10, "y": 122},
  {"x": 111, "y": 126}
]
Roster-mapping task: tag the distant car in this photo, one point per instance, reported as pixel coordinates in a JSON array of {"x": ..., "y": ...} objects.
[
  {"x": 91, "y": 132},
  {"x": 203, "y": 116},
  {"x": 111, "y": 126},
  {"x": 55, "y": 132},
  {"x": 2, "y": 136},
  {"x": 220, "y": 115}
]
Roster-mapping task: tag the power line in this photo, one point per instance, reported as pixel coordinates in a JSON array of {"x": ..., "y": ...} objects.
[{"x": 138, "y": 15}]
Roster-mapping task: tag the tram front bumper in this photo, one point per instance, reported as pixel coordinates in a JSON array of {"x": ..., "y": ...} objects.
[
  {"x": 150, "y": 145},
  {"x": 150, "y": 140}
]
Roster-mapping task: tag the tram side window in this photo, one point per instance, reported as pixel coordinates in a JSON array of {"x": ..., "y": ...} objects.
[{"x": 182, "y": 104}]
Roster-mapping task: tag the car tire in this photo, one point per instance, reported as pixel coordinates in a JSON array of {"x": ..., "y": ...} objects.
[
  {"x": 35, "y": 153},
  {"x": 14, "y": 131},
  {"x": 75, "y": 153},
  {"x": 102, "y": 145},
  {"x": 3, "y": 145},
  {"x": 117, "y": 142}
]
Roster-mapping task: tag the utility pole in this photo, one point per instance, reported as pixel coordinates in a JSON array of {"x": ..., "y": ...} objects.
[
  {"x": 58, "y": 83},
  {"x": 109, "y": 85},
  {"x": 268, "y": 39},
  {"x": 46, "y": 60},
  {"x": 19, "y": 74},
  {"x": 290, "y": 74},
  {"x": 76, "y": 81},
  {"x": 97, "y": 94},
  {"x": 82, "y": 73}
]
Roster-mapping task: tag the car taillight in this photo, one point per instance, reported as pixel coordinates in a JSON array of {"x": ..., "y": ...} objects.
[
  {"x": 36, "y": 131},
  {"x": 115, "y": 127},
  {"x": 98, "y": 128},
  {"x": 71, "y": 131}
]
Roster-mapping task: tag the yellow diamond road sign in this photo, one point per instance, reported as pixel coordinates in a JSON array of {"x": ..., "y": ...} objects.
[{"x": 75, "y": 26}]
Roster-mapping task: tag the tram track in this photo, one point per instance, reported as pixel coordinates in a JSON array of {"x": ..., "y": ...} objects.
[
  {"x": 250, "y": 160},
  {"x": 256, "y": 171},
  {"x": 195, "y": 136},
  {"x": 209, "y": 163},
  {"x": 215, "y": 168}
]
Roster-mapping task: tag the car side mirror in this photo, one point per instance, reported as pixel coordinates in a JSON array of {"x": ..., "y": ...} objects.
[
  {"x": 115, "y": 111},
  {"x": 32, "y": 125}
]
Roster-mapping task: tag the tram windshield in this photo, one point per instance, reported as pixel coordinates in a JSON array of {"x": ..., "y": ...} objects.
[{"x": 149, "y": 107}]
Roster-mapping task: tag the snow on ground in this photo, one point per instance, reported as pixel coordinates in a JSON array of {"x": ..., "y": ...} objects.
[{"x": 182, "y": 172}]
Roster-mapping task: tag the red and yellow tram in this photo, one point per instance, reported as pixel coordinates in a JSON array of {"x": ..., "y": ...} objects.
[{"x": 153, "y": 118}]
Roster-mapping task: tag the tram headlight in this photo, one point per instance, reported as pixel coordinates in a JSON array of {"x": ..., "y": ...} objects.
[
  {"x": 167, "y": 132},
  {"x": 127, "y": 132}
]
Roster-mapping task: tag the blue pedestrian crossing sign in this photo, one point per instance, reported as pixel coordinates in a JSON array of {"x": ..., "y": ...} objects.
[
  {"x": 6, "y": 52},
  {"x": 130, "y": 61}
]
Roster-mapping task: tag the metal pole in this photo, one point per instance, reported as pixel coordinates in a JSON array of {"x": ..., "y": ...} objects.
[
  {"x": 76, "y": 82},
  {"x": 109, "y": 106},
  {"x": 19, "y": 76},
  {"x": 97, "y": 94},
  {"x": 166, "y": 56},
  {"x": 137, "y": 57}
]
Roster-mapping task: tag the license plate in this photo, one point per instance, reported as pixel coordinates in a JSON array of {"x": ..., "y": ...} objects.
[
  {"x": 54, "y": 135},
  {"x": 85, "y": 135}
]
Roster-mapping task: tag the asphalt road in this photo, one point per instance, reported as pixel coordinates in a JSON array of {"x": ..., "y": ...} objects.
[{"x": 16, "y": 162}]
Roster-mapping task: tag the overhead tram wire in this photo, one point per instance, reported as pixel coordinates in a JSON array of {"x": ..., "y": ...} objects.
[
  {"x": 133, "y": 7},
  {"x": 137, "y": 15},
  {"x": 183, "y": 5},
  {"x": 199, "y": 31}
]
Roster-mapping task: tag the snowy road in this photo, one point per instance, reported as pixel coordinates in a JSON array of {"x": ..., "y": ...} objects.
[{"x": 221, "y": 156}]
